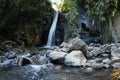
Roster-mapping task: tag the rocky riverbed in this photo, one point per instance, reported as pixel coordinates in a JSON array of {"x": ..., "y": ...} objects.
[
  {"x": 77, "y": 53},
  {"x": 76, "y": 59}
]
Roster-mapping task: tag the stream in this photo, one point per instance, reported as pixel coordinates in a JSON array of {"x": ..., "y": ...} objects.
[
  {"x": 64, "y": 73},
  {"x": 50, "y": 71},
  {"x": 72, "y": 73}
]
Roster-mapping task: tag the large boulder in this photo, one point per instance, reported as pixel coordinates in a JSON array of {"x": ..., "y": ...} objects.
[
  {"x": 77, "y": 44},
  {"x": 58, "y": 56},
  {"x": 74, "y": 44},
  {"x": 75, "y": 58}
]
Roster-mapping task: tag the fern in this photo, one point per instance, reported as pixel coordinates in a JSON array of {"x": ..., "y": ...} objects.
[{"x": 70, "y": 9}]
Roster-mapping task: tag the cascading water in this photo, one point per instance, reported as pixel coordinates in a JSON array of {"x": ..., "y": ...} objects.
[
  {"x": 51, "y": 37},
  {"x": 83, "y": 18}
]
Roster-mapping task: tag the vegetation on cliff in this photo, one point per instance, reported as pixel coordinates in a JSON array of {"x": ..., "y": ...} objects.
[
  {"x": 24, "y": 21},
  {"x": 100, "y": 9}
]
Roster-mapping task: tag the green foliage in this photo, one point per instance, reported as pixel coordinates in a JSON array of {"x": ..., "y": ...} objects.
[
  {"x": 115, "y": 7},
  {"x": 101, "y": 8},
  {"x": 116, "y": 3},
  {"x": 70, "y": 9},
  {"x": 13, "y": 12},
  {"x": 95, "y": 8},
  {"x": 24, "y": 17}
]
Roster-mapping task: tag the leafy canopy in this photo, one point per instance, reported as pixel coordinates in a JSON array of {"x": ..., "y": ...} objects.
[
  {"x": 68, "y": 7},
  {"x": 101, "y": 8},
  {"x": 97, "y": 8}
]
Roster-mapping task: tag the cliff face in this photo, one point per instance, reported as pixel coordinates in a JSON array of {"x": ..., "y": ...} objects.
[{"x": 110, "y": 31}]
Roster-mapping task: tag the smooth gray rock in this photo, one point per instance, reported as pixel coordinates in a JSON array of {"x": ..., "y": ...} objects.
[
  {"x": 75, "y": 58},
  {"x": 77, "y": 44},
  {"x": 55, "y": 55},
  {"x": 107, "y": 61}
]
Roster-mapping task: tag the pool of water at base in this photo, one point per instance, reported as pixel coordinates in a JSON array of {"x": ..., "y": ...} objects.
[{"x": 62, "y": 73}]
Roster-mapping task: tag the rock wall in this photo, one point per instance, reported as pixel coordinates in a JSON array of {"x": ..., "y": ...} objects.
[
  {"x": 72, "y": 31},
  {"x": 116, "y": 25},
  {"x": 110, "y": 30}
]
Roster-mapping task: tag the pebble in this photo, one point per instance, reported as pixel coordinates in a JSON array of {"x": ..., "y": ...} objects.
[{"x": 89, "y": 69}]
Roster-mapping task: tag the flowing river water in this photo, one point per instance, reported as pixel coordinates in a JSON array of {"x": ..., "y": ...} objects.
[
  {"x": 53, "y": 72},
  {"x": 60, "y": 73}
]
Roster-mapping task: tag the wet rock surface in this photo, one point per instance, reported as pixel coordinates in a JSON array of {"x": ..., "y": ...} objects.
[
  {"x": 79, "y": 73},
  {"x": 37, "y": 64},
  {"x": 27, "y": 65},
  {"x": 96, "y": 55}
]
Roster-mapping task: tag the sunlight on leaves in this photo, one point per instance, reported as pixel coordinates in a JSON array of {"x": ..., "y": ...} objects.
[
  {"x": 57, "y": 4},
  {"x": 115, "y": 74}
]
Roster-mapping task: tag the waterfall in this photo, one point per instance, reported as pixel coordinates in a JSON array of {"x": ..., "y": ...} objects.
[
  {"x": 83, "y": 17},
  {"x": 51, "y": 37}
]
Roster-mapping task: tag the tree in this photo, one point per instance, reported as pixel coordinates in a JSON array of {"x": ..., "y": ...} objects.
[{"x": 24, "y": 20}]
